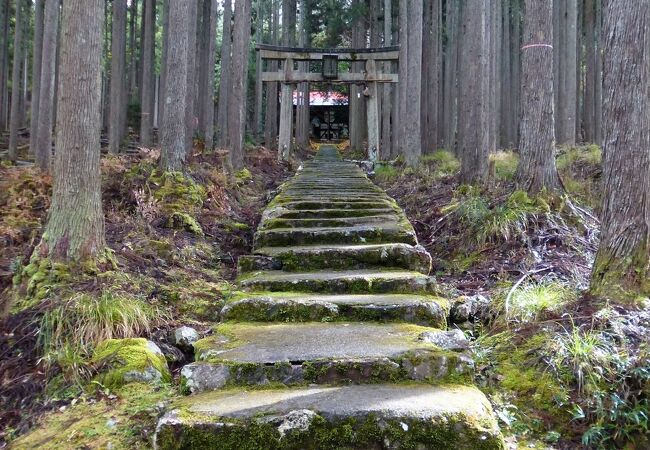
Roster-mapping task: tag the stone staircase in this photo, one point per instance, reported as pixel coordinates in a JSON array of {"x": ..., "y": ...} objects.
[{"x": 337, "y": 339}]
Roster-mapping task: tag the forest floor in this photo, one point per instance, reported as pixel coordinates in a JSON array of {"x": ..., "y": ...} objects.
[{"x": 562, "y": 369}]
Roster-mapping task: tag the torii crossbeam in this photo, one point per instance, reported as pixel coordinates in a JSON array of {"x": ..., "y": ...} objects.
[{"x": 329, "y": 58}]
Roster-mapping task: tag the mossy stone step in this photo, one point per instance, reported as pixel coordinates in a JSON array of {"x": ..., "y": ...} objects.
[
  {"x": 344, "y": 417},
  {"x": 338, "y": 257},
  {"x": 358, "y": 234},
  {"x": 422, "y": 310},
  {"x": 316, "y": 352},
  {"x": 369, "y": 281},
  {"x": 300, "y": 204},
  {"x": 328, "y": 213},
  {"x": 330, "y": 222}
]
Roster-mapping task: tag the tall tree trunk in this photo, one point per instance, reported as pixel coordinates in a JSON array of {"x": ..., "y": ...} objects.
[
  {"x": 413, "y": 129},
  {"x": 4, "y": 61},
  {"x": 206, "y": 76},
  {"x": 146, "y": 87},
  {"x": 173, "y": 137},
  {"x": 505, "y": 72},
  {"x": 622, "y": 266},
  {"x": 48, "y": 84},
  {"x": 567, "y": 61},
  {"x": 495, "y": 79},
  {"x": 15, "y": 81},
  {"x": 474, "y": 92},
  {"x": 190, "y": 117},
  {"x": 259, "y": 86},
  {"x": 431, "y": 68},
  {"x": 271, "y": 114},
  {"x": 452, "y": 20},
  {"x": 237, "y": 100},
  {"x": 387, "y": 88},
  {"x": 37, "y": 55},
  {"x": 357, "y": 100},
  {"x": 163, "y": 61},
  {"x": 302, "y": 108},
  {"x": 118, "y": 58},
  {"x": 75, "y": 229},
  {"x": 286, "y": 103},
  {"x": 133, "y": 50},
  {"x": 593, "y": 75},
  {"x": 537, "y": 169},
  {"x": 225, "y": 83}
]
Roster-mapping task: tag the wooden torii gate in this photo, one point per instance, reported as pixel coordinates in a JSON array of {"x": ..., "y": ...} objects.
[{"x": 287, "y": 74}]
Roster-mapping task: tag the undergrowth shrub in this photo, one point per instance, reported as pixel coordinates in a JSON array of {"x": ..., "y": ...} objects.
[
  {"x": 575, "y": 379},
  {"x": 385, "y": 173},
  {"x": 580, "y": 169},
  {"x": 533, "y": 301},
  {"x": 72, "y": 328},
  {"x": 485, "y": 222},
  {"x": 505, "y": 164},
  {"x": 440, "y": 163}
]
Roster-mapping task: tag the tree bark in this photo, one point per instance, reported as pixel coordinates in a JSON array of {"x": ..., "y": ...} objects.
[
  {"x": 568, "y": 83},
  {"x": 47, "y": 89},
  {"x": 190, "y": 111},
  {"x": 537, "y": 169},
  {"x": 357, "y": 105},
  {"x": 237, "y": 98},
  {"x": 259, "y": 86},
  {"x": 474, "y": 92},
  {"x": 225, "y": 83},
  {"x": 15, "y": 81},
  {"x": 622, "y": 266},
  {"x": 37, "y": 55},
  {"x": 163, "y": 61},
  {"x": 206, "y": 76},
  {"x": 387, "y": 88},
  {"x": 271, "y": 114},
  {"x": 147, "y": 88},
  {"x": 413, "y": 129},
  {"x": 118, "y": 58},
  {"x": 173, "y": 148},
  {"x": 75, "y": 229},
  {"x": 4, "y": 61}
]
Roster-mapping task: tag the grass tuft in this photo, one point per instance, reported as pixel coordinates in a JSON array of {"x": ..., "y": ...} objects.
[
  {"x": 530, "y": 303},
  {"x": 70, "y": 330}
]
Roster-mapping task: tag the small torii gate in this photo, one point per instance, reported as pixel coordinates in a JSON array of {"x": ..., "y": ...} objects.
[{"x": 287, "y": 74}]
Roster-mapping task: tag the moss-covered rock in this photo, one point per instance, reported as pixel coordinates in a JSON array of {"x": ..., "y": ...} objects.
[{"x": 123, "y": 361}]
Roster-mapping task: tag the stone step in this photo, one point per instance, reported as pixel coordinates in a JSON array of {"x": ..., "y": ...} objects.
[
  {"x": 330, "y": 222},
  {"x": 340, "y": 282},
  {"x": 343, "y": 417},
  {"x": 359, "y": 234},
  {"x": 331, "y": 213},
  {"x": 423, "y": 310},
  {"x": 316, "y": 352},
  {"x": 300, "y": 205},
  {"x": 337, "y": 257}
]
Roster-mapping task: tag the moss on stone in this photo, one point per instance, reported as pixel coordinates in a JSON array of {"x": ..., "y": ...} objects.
[
  {"x": 184, "y": 221},
  {"x": 129, "y": 359},
  {"x": 455, "y": 431}
]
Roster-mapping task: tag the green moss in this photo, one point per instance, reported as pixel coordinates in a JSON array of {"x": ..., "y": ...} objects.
[
  {"x": 40, "y": 277},
  {"x": 521, "y": 371},
  {"x": 124, "y": 356},
  {"x": 183, "y": 221},
  {"x": 122, "y": 423},
  {"x": 176, "y": 192},
  {"x": 456, "y": 432},
  {"x": 505, "y": 165},
  {"x": 243, "y": 176}
]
